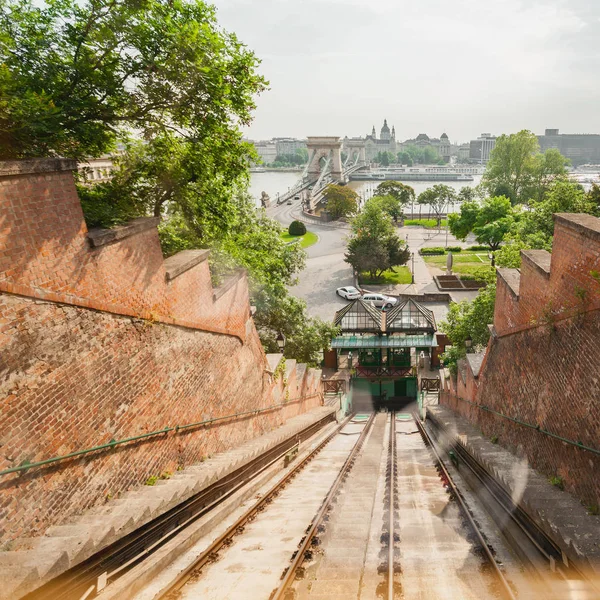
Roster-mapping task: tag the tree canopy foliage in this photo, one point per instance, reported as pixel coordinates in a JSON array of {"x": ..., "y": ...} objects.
[
  {"x": 165, "y": 82},
  {"x": 400, "y": 191},
  {"x": 374, "y": 246},
  {"x": 489, "y": 221},
  {"x": 438, "y": 197},
  {"x": 341, "y": 201},
  {"x": 419, "y": 155},
  {"x": 469, "y": 320},
  {"x": 78, "y": 76},
  {"x": 519, "y": 171}
]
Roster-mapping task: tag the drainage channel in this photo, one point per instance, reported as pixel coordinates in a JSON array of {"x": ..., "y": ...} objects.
[{"x": 91, "y": 576}]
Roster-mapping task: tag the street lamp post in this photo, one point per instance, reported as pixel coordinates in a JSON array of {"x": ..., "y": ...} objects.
[
  {"x": 413, "y": 268},
  {"x": 281, "y": 341},
  {"x": 468, "y": 344}
]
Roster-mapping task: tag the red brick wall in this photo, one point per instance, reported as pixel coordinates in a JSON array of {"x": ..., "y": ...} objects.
[
  {"x": 47, "y": 255},
  {"x": 542, "y": 365},
  {"x": 73, "y": 377},
  {"x": 547, "y": 376}
]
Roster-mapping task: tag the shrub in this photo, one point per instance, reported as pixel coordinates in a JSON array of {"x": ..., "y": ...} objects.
[
  {"x": 476, "y": 248},
  {"x": 453, "y": 249},
  {"x": 297, "y": 228},
  {"x": 434, "y": 251}
]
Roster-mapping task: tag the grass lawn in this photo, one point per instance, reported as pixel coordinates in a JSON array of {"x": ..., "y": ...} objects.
[
  {"x": 306, "y": 240},
  {"x": 393, "y": 276},
  {"x": 427, "y": 223},
  {"x": 465, "y": 263}
]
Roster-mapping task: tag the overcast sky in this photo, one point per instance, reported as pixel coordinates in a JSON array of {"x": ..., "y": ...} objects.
[{"x": 338, "y": 67}]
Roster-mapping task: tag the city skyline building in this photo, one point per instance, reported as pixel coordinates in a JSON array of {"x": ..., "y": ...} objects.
[
  {"x": 481, "y": 148},
  {"x": 579, "y": 148}
]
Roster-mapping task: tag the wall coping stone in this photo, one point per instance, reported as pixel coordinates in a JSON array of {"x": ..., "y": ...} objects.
[
  {"x": 36, "y": 165},
  {"x": 228, "y": 284},
  {"x": 540, "y": 259},
  {"x": 584, "y": 224},
  {"x": 512, "y": 278},
  {"x": 475, "y": 361},
  {"x": 183, "y": 261},
  {"x": 273, "y": 361},
  {"x": 100, "y": 237}
]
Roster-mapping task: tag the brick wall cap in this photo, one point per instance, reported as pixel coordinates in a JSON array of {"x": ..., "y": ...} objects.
[
  {"x": 475, "y": 361},
  {"x": 511, "y": 277},
  {"x": 183, "y": 261},
  {"x": 228, "y": 284},
  {"x": 273, "y": 361},
  {"x": 539, "y": 259},
  {"x": 100, "y": 237},
  {"x": 36, "y": 165},
  {"x": 585, "y": 225}
]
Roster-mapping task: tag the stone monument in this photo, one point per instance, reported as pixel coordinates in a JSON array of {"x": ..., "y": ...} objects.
[{"x": 449, "y": 260}]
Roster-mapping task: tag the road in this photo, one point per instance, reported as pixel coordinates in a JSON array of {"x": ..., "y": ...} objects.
[
  {"x": 326, "y": 270},
  {"x": 325, "y": 267}
]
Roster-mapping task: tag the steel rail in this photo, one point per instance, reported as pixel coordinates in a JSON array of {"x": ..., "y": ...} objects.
[
  {"x": 390, "y": 595},
  {"x": 428, "y": 441},
  {"x": 543, "y": 544},
  {"x": 136, "y": 546},
  {"x": 290, "y": 573},
  {"x": 208, "y": 554}
]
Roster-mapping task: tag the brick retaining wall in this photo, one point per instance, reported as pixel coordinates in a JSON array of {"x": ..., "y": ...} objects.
[
  {"x": 79, "y": 367},
  {"x": 541, "y": 365}
]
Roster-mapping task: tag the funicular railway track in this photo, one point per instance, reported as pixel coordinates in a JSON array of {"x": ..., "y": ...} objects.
[
  {"x": 210, "y": 553},
  {"x": 393, "y": 478},
  {"x": 89, "y": 577}
]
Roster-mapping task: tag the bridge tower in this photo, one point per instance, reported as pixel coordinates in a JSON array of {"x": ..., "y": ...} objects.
[
  {"x": 353, "y": 147},
  {"x": 329, "y": 148}
]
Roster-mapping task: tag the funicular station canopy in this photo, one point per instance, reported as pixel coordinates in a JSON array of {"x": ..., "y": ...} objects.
[{"x": 381, "y": 348}]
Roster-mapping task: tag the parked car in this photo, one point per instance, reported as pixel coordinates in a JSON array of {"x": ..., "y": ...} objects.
[
  {"x": 380, "y": 300},
  {"x": 348, "y": 292}
]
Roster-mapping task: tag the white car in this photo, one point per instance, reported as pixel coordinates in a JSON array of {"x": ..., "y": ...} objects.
[
  {"x": 349, "y": 292},
  {"x": 380, "y": 300}
]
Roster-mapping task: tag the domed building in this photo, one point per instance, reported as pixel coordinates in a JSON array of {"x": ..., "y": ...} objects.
[{"x": 385, "y": 143}]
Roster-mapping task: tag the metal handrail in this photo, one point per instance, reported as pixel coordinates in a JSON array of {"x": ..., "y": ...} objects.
[{"x": 113, "y": 443}]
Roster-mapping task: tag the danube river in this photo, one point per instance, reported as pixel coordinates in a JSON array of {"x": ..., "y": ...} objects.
[{"x": 274, "y": 182}]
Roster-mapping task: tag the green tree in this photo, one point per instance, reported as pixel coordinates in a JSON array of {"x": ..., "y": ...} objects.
[
  {"x": 374, "y": 247},
  {"x": 389, "y": 204},
  {"x": 78, "y": 76},
  {"x": 511, "y": 165},
  {"x": 385, "y": 158},
  {"x": 341, "y": 201},
  {"x": 489, "y": 221},
  {"x": 467, "y": 194},
  {"x": 469, "y": 319},
  {"x": 537, "y": 224},
  {"x": 404, "y": 158},
  {"x": 547, "y": 167},
  {"x": 593, "y": 197},
  {"x": 518, "y": 170},
  {"x": 401, "y": 192},
  {"x": 438, "y": 197}
]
